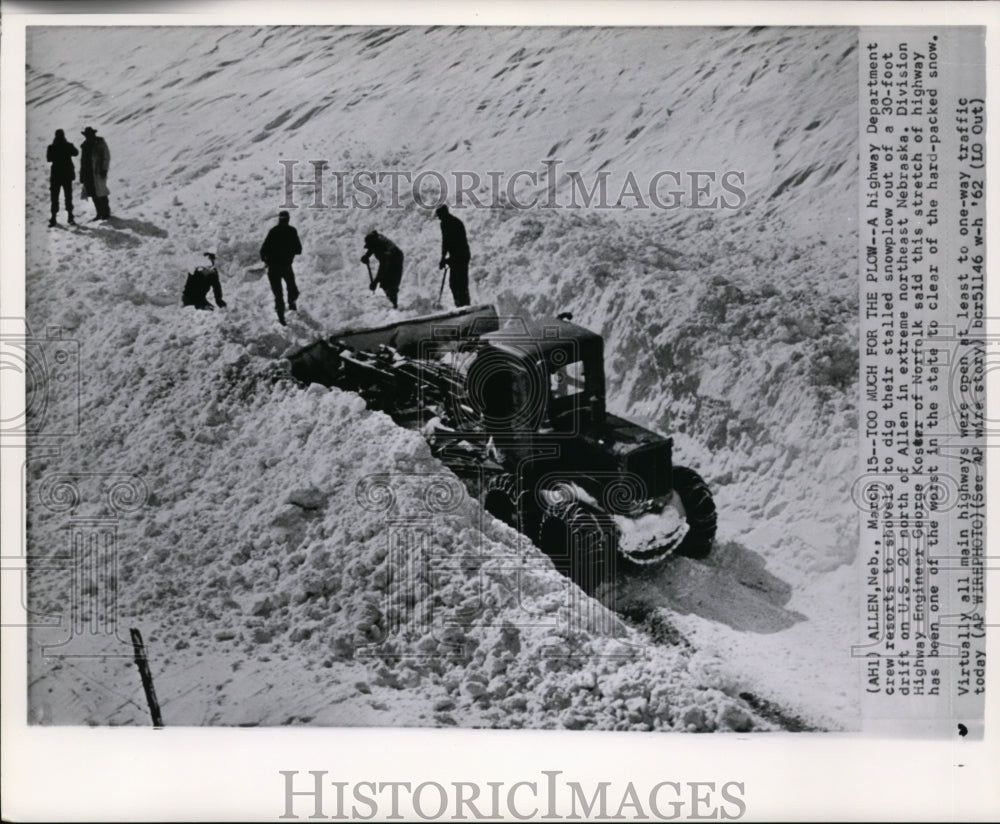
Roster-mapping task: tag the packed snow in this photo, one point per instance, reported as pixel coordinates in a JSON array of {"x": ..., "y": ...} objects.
[{"x": 265, "y": 568}]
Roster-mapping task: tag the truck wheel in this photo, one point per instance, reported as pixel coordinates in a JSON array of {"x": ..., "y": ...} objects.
[
  {"x": 582, "y": 543},
  {"x": 698, "y": 510},
  {"x": 500, "y": 497}
]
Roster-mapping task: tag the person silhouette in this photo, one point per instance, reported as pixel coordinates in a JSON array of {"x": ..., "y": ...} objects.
[{"x": 62, "y": 173}]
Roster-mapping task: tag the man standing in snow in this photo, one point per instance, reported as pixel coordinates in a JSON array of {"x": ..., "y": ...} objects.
[
  {"x": 95, "y": 160},
  {"x": 454, "y": 253},
  {"x": 62, "y": 174},
  {"x": 279, "y": 250},
  {"x": 390, "y": 265},
  {"x": 198, "y": 284}
]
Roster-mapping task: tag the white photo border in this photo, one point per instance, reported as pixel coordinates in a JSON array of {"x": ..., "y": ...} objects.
[{"x": 232, "y": 774}]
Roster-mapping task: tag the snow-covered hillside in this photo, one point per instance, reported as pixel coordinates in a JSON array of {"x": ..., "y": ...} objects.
[{"x": 255, "y": 571}]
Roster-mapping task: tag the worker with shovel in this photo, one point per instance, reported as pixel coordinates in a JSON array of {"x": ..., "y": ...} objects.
[
  {"x": 390, "y": 265},
  {"x": 455, "y": 255}
]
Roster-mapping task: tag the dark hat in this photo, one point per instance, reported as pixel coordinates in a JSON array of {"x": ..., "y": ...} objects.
[
  {"x": 283, "y": 215},
  {"x": 441, "y": 210},
  {"x": 89, "y": 131}
]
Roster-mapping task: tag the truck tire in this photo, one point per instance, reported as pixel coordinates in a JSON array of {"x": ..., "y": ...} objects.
[
  {"x": 500, "y": 497},
  {"x": 582, "y": 543},
  {"x": 699, "y": 512}
]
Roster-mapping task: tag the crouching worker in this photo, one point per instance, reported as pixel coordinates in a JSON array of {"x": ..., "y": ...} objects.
[
  {"x": 390, "y": 265},
  {"x": 199, "y": 282}
]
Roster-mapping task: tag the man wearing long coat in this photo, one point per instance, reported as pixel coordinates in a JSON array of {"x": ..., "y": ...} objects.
[{"x": 95, "y": 160}]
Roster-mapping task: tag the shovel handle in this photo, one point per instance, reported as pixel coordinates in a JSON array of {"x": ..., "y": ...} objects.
[{"x": 444, "y": 275}]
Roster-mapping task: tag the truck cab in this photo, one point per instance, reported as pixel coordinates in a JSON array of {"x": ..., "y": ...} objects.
[
  {"x": 539, "y": 391},
  {"x": 542, "y": 375}
]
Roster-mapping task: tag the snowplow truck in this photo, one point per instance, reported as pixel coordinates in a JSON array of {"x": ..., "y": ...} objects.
[{"x": 518, "y": 411}]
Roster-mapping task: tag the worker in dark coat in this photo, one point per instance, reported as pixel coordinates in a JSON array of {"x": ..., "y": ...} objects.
[
  {"x": 198, "y": 284},
  {"x": 390, "y": 265},
  {"x": 278, "y": 251},
  {"x": 455, "y": 254},
  {"x": 95, "y": 160},
  {"x": 61, "y": 174}
]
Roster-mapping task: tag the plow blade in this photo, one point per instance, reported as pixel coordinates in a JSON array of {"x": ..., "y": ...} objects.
[{"x": 320, "y": 361}]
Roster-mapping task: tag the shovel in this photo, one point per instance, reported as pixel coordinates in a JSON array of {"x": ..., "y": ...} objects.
[{"x": 444, "y": 275}]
